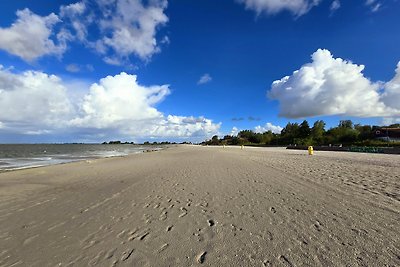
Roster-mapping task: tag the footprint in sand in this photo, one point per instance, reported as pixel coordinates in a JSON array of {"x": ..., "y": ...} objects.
[
  {"x": 115, "y": 263},
  {"x": 121, "y": 234},
  {"x": 147, "y": 218},
  {"x": 132, "y": 234},
  {"x": 163, "y": 216},
  {"x": 285, "y": 261},
  {"x": 201, "y": 258},
  {"x": 144, "y": 236},
  {"x": 162, "y": 248},
  {"x": 126, "y": 254},
  {"x": 184, "y": 212},
  {"x": 318, "y": 225},
  {"x": 140, "y": 235},
  {"x": 267, "y": 263},
  {"x": 110, "y": 254}
]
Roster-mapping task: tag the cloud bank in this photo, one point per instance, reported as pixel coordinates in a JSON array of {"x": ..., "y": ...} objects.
[
  {"x": 35, "y": 103},
  {"x": 259, "y": 129},
  {"x": 333, "y": 86},
  {"x": 268, "y": 127}
]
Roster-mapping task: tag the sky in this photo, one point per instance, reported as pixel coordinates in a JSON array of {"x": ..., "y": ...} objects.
[{"x": 133, "y": 70}]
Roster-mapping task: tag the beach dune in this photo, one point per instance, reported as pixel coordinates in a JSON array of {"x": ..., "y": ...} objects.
[{"x": 209, "y": 206}]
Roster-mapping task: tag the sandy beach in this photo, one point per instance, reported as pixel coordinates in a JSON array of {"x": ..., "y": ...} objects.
[{"x": 209, "y": 206}]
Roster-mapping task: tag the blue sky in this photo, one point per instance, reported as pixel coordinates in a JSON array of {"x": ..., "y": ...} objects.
[{"x": 48, "y": 90}]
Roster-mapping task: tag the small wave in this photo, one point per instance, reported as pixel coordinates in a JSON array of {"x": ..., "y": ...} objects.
[
  {"x": 17, "y": 163},
  {"x": 21, "y": 168}
]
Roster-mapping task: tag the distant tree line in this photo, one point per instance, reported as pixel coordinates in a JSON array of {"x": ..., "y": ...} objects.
[
  {"x": 346, "y": 133},
  {"x": 118, "y": 143}
]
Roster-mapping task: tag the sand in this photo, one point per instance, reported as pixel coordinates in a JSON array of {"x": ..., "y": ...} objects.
[{"x": 205, "y": 206}]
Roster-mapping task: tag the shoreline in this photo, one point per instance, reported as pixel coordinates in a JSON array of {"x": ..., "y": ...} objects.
[{"x": 87, "y": 159}]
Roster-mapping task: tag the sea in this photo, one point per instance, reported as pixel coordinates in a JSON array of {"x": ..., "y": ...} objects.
[{"x": 20, "y": 156}]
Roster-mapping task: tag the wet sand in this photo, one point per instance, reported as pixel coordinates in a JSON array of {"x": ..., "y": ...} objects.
[{"x": 205, "y": 206}]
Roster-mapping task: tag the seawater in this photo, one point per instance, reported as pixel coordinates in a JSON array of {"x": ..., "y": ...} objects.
[{"x": 18, "y": 156}]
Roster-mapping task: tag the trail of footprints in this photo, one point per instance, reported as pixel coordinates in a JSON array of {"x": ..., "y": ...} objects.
[
  {"x": 164, "y": 207},
  {"x": 165, "y": 210},
  {"x": 159, "y": 209}
]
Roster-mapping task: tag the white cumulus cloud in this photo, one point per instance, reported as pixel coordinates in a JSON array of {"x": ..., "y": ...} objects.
[
  {"x": 129, "y": 27},
  {"x": 120, "y": 103},
  {"x": 124, "y": 29},
  {"x": 180, "y": 126},
  {"x": 29, "y": 37},
  {"x": 297, "y": 7},
  {"x": 32, "y": 101},
  {"x": 374, "y": 5},
  {"x": 391, "y": 95},
  {"x": 73, "y": 15},
  {"x": 119, "y": 100},
  {"x": 234, "y": 131},
  {"x": 117, "y": 106},
  {"x": 335, "y": 5},
  {"x": 333, "y": 86},
  {"x": 389, "y": 121},
  {"x": 268, "y": 127},
  {"x": 73, "y": 68},
  {"x": 206, "y": 78}
]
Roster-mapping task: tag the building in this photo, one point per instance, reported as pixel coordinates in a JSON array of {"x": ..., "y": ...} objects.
[{"x": 388, "y": 134}]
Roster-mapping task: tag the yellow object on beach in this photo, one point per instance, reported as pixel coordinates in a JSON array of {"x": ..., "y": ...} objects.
[
  {"x": 310, "y": 150},
  {"x": 242, "y": 146}
]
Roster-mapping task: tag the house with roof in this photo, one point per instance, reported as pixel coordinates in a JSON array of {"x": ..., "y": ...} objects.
[{"x": 388, "y": 134}]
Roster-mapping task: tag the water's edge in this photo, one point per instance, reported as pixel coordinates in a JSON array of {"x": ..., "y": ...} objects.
[{"x": 15, "y": 163}]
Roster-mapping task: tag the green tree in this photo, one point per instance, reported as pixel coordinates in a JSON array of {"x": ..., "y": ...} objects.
[
  {"x": 245, "y": 134},
  {"x": 304, "y": 130},
  {"x": 346, "y": 124},
  {"x": 250, "y": 136},
  {"x": 267, "y": 137},
  {"x": 344, "y": 133},
  {"x": 215, "y": 140},
  {"x": 318, "y": 132},
  {"x": 234, "y": 141},
  {"x": 290, "y": 133},
  {"x": 365, "y": 132}
]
